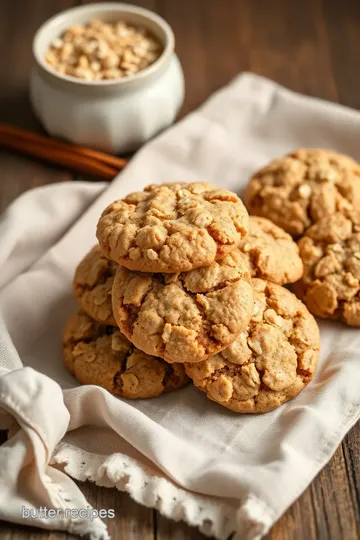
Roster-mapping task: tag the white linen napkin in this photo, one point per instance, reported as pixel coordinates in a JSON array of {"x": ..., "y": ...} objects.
[{"x": 180, "y": 453}]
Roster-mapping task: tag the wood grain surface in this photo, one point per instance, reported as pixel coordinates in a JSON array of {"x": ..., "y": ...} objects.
[{"x": 310, "y": 46}]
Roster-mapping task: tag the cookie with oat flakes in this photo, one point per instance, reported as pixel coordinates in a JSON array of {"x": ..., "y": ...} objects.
[
  {"x": 172, "y": 227},
  {"x": 271, "y": 253},
  {"x": 330, "y": 250},
  {"x": 98, "y": 354},
  {"x": 92, "y": 285},
  {"x": 184, "y": 317},
  {"x": 270, "y": 362},
  {"x": 296, "y": 190}
]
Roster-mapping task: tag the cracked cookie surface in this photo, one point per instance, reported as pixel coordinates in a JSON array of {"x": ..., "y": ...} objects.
[
  {"x": 271, "y": 253},
  {"x": 330, "y": 250},
  {"x": 92, "y": 285},
  {"x": 101, "y": 355},
  {"x": 184, "y": 317},
  {"x": 172, "y": 227},
  {"x": 270, "y": 362},
  {"x": 297, "y": 190}
]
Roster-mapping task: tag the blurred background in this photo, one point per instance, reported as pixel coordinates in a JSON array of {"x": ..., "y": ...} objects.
[{"x": 310, "y": 46}]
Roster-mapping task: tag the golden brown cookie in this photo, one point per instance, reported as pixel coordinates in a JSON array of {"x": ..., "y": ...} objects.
[
  {"x": 184, "y": 317},
  {"x": 301, "y": 188},
  {"x": 172, "y": 227},
  {"x": 330, "y": 250},
  {"x": 92, "y": 285},
  {"x": 101, "y": 355},
  {"x": 269, "y": 363},
  {"x": 271, "y": 253}
]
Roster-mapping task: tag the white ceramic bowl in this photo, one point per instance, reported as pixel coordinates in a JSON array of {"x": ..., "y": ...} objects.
[{"x": 114, "y": 115}]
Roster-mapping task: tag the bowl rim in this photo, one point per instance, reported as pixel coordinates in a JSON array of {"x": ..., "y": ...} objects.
[{"x": 120, "y": 7}]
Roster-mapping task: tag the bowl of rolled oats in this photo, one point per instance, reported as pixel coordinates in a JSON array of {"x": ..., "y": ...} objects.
[{"x": 106, "y": 76}]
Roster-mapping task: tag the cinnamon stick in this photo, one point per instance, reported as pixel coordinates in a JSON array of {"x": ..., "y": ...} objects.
[
  {"x": 66, "y": 158},
  {"x": 30, "y": 136}
]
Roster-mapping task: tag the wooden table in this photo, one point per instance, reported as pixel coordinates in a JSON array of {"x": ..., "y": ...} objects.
[{"x": 310, "y": 46}]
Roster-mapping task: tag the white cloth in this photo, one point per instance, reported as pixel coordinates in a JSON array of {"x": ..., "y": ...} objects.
[{"x": 180, "y": 453}]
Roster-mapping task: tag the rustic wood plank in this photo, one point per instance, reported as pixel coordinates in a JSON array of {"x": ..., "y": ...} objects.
[
  {"x": 16, "y": 54},
  {"x": 132, "y": 521},
  {"x": 12, "y": 531},
  {"x": 148, "y": 4},
  {"x": 334, "y": 507},
  {"x": 325, "y": 510},
  {"x": 167, "y": 529},
  {"x": 189, "y": 21},
  {"x": 19, "y": 173},
  {"x": 343, "y": 30},
  {"x": 297, "y": 523},
  {"x": 289, "y": 44},
  {"x": 351, "y": 451},
  {"x": 285, "y": 41}
]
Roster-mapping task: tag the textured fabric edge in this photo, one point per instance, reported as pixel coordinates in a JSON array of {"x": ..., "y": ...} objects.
[{"x": 248, "y": 521}]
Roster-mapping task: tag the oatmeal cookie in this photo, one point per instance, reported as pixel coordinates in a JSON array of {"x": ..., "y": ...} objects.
[
  {"x": 101, "y": 355},
  {"x": 184, "y": 317},
  {"x": 271, "y": 253},
  {"x": 330, "y": 250},
  {"x": 172, "y": 227},
  {"x": 270, "y": 362},
  {"x": 92, "y": 285},
  {"x": 301, "y": 188}
]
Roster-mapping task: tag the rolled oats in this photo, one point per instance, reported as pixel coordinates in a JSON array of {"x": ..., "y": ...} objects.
[{"x": 103, "y": 51}]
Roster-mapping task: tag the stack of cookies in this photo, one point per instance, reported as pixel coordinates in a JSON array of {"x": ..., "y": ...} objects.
[
  {"x": 185, "y": 287},
  {"x": 315, "y": 196}
]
